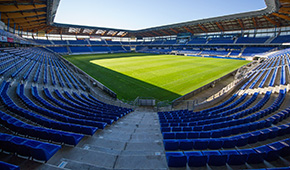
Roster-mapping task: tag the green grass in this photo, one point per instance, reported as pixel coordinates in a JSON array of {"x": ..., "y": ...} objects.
[{"x": 164, "y": 77}]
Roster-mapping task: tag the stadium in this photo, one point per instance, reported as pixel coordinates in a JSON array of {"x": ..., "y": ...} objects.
[{"x": 207, "y": 94}]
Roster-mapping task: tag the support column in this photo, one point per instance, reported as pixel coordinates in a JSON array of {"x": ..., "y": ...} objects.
[
  {"x": 14, "y": 28},
  {"x": 8, "y": 25}
]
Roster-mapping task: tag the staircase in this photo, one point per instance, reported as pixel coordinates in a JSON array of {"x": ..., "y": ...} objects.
[
  {"x": 235, "y": 40},
  {"x": 88, "y": 41},
  {"x": 68, "y": 49},
  {"x": 229, "y": 54},
  {"x": 243, "y": 49},
  {"x": 105, "y": 42},
  {"x": 124, "y": 48},
  {"x": 270, "y": 39},
  {"x": 133, "y": 142}
]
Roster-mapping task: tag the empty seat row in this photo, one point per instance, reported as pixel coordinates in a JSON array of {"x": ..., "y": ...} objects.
[
  {"x": 211, "y": 116},
  {"x": 283, "y": 76},
  {"x": 20, "y": 127},
  {"x": 44, "y": 60},
  {"x": 27, "y": 147},
  {"x": 273, "y": 78},
  {"x": 64, "y": 122},
  {"x": 4, "y": 166},
  {"x": 265, "y": 78},
  {"x": 227, "y": 142},
  {"x": 87, "y": 111},
  {"x": 69, "y": 115},
  {"x": 178, "y": 113},
  {"x": 75, "y": 112},
  {"x": 222, "y": 120},
  {"x": 243, "y": 126},
  {"x": 255, "y": 155},
  {"x": 40, "y": 119}
]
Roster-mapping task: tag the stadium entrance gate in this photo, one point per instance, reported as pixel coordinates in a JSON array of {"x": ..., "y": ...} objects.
[{"x": 145, "y": 101}]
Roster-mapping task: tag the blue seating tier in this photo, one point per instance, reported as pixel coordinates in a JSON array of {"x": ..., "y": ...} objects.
[{"x": 27, "y": 147}]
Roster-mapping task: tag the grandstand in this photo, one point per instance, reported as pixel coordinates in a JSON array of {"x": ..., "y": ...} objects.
[{"x": 54, "y": 115}]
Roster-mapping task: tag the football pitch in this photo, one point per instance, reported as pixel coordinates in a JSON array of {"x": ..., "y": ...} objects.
[{"x": 164, "y": 77}]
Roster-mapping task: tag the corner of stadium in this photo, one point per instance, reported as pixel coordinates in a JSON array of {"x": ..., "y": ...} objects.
[{"x": 206, "y": 94}]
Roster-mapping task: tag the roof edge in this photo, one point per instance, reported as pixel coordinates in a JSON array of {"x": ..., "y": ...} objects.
[
  {"x": 272, "y": 6},
  {"x": 52, "y": 6}
]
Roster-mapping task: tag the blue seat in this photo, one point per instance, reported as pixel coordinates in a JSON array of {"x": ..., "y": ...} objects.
[
  {"x": 254, "y": 136},
  {"x": 44, "y": 151},
  {"x": 176, "y": 159},
  {"x": 164, "y": 124},
  {"x": 216, "y": 134},
  {"x": 215, "y": 158},
  {"x": 55, "y": 137},
  {"x": 174, "y": 124},
  {"x": 7, "y": 166},
  {"x": 234, "y": 157},
  {"x": 187, "y": 129},
  {"x": 181, "y": 135},
  {"x": 285, "y": 151},
  {"x": 261, "y": 124},
  {"x": 264, "y": 134},
  {"x": 244, "y": 128},
  {"x": 207, "y": 127},
  {"x": 197, "y": 128},
  {"x": 273, "y": 132},
  {"x": 242, "y": 140},
  {"x": 236, "y": 130},
  {"x": 253, "y": 157},
  {"x": 282, "y": 148},
  {"x": 233, "y": 123},
  {"x": 204, "y": 134},
  {"x": 196, "y": 159},
  {"x": 192, "y": 135},
  {"x": 71, "y": 139},
  {"x": 215, "y": 144},
  {"x": 227, "y": 132},
  {"x": 229, "y": 143},
  {"x": 186, "y": 144},
  {"x": 171, "y": 145},
  {"x": 176, "y": 129},
  {"x": 276, "y": 119},
  {"x": 27, "y": 147},
  {"x": 284, "y": 129},
  {"x": 192, "y": 124},
  {"x": 6, "y": 144},
  {"x": 168, "y": 135},
  {"x": 200, "y": 144},
  {"x": 165, "y": 129},
  {"x": 268, "y": 153},
  {"x": 268, "y": 122},
  {"x": 279, "y": 168},
  {"x": 20, "y": 146},
  {"x": 183, "y": 124},
  {"x": 216, "y": 126},
  {"x": 253, "y": 126},
  {"x": 247, "y": 120}
]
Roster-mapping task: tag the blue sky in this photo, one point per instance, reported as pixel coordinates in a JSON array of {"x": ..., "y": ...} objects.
[{"x": 140, "y": 14}]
